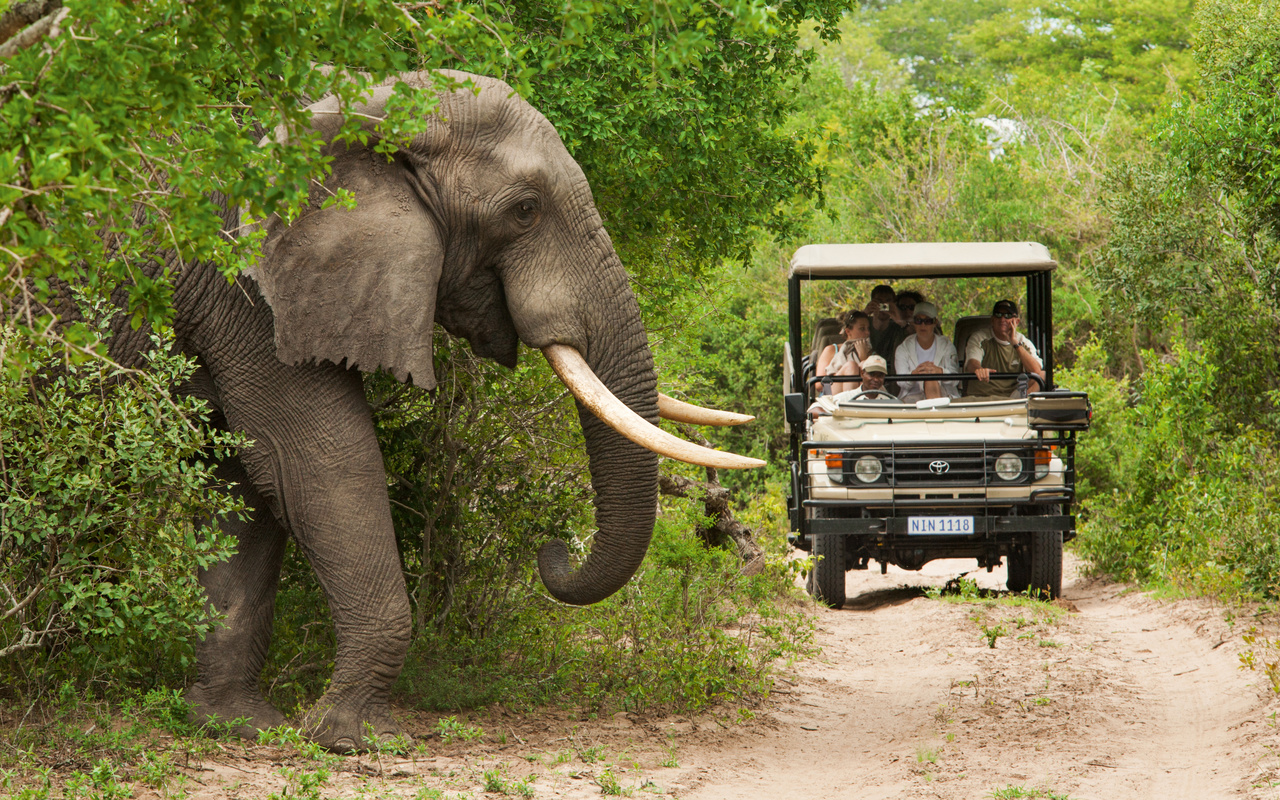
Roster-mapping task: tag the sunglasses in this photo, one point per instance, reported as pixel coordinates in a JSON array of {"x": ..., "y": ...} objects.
[
  {"x": 1005, "y": 315},
  {"x": 923, "y": 321}
]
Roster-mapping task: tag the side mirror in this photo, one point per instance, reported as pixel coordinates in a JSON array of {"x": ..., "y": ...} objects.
[{"x": 793, "y": 407}]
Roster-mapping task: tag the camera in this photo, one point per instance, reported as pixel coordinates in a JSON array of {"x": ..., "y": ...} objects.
[{"x": 884, "y": 306}]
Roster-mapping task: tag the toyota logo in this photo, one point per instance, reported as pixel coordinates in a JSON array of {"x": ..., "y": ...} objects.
[{"x": 939, "y": 467}]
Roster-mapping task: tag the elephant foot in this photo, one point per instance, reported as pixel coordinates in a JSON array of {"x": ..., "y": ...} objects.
[
  {"x": 243, "y": 712},
  {"x": 343, "y": 726}
]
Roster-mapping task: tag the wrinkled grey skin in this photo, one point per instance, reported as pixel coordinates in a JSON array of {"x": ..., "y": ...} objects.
[{"x": 485, "y": 225}]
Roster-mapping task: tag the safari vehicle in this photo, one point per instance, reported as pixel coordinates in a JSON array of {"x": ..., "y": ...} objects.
[{"x": 904, "y": 484}]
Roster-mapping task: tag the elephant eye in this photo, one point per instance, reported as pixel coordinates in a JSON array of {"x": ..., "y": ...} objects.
[{"x": 526, "y": 211}]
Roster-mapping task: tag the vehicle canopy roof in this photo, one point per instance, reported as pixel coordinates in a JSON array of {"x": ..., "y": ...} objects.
[{"x": 920, "y": 259}]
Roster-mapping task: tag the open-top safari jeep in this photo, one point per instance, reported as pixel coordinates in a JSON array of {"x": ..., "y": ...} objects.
[{"x": 905, "y": 484}]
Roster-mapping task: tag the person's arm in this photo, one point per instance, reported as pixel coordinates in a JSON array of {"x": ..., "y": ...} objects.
[
  {"x": 824, "y": 358},
  {"x": 973, "y": 358},
  {"x": 1027, "y": 355},
  {"x": 904, "y": 363},
  {"x": 948, "y": 362}
]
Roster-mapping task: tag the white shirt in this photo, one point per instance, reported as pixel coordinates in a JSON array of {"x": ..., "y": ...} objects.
[{"x": 907, "y": 358}]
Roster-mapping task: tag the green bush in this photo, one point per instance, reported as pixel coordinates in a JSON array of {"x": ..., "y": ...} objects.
[
  {"x": 689, "y": 630},
  {"x": 1175, "y": 495},
  {"x": 105, "y": 497}
]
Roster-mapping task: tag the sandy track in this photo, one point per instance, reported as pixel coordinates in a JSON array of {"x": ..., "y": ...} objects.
[
  {"x": 1123, "y": 697},
  {"x": 1113, "y": 695}
]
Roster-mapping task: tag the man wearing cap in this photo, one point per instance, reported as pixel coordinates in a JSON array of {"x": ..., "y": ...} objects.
[
  {"x": 873, "y": 371},
  {"x": 1000, "y": 348}
]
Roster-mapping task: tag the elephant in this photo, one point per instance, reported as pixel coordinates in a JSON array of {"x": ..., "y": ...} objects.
[{"x": 484, "y": 224}]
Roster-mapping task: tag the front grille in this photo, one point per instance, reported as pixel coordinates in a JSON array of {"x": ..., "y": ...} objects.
[
  {"x": 969, "y": 466},
  {"x": 924, "y": 468}
]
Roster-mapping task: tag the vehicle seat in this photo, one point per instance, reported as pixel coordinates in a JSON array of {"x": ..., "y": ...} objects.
[
  {"x": 965, "y": 327},
  {"x": 829, "y": 330}
]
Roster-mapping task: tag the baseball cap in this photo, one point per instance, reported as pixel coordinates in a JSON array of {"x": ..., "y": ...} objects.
[
  {"x": 1004, "y": 307},
  {"x": 875, "y": 364},
  {"x": 926, "y": 310}
]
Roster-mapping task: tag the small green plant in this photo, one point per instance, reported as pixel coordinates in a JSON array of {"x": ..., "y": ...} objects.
[
  {"x": 992, "y": 632},
  {"x": 610, "y": 786},
  {"x": 670, "y": 761},
  {"x": 451, "y": 730},
  {"x": 301, "y": 784},
  {"x": 496, "y": 782},
  {"x": 592, "y": 754},
  {"x": 926, "y": 755}
]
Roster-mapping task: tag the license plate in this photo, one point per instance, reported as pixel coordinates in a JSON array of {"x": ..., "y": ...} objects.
[{"x": 939, "y": 526}]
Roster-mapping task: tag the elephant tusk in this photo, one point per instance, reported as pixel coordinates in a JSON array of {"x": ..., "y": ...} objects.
[
  {"x": 680, "y": 411},
  {"x": 572, "y": 368}
]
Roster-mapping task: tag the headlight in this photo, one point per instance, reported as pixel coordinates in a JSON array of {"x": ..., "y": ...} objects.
[
  {"x": 868, "y": 469},
  {"x": 1009, "y": 466}
]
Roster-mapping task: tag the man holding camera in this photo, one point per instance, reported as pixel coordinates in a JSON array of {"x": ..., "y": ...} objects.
[
  {"x": 888, "y": 324},
  {"x": 1000, "y": 348}
]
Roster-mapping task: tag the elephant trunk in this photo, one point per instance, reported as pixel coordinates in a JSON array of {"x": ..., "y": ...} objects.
[{"x": 624, "y": 475}]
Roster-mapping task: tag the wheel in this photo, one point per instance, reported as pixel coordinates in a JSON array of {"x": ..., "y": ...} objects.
[
  {"x": 1045, "y": 571},
  {"x": 826, "y": 579},
  {"x": 1019, "y": 565}
]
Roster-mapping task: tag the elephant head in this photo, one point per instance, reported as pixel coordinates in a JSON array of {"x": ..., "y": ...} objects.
[{"x": 485, "y": 224}]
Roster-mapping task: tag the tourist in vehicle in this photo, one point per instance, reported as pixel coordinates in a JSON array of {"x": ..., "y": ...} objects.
[
  {"x": 872, "y": 387},
  {"x": 1000, "y": 348},
  {"x": 926, "y": 352},
  {"x": 887, "y": 322},
  {"x": 907, "y": 301},
  {"x": 847, "y": 358}
]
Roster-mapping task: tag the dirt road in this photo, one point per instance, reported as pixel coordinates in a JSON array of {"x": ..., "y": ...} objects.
[
  {"x": 1112, "y": 695},
  {"x": 1120, "y": 697}
]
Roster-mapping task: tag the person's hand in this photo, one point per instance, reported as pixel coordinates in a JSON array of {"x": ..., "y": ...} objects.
[
  {"x": 927, "y": 368},
  {"x": 871, "y": 309},
  {"x": 983, "y": 374},
  {"x": 848, "y": 347},
  {"x": 863, "y": 347}
]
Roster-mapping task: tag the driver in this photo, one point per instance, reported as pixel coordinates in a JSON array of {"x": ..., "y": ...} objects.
[
  {"x": 1000, "y": 348},
  {"x": 874, "y": 369}
]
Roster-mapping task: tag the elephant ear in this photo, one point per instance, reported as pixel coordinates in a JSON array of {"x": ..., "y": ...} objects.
[{"x": 358, "y": 285}]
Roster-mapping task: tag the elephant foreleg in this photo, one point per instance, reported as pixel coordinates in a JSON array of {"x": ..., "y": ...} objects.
[
  {"x": 243, "y": 591},
  {"x": 316, "y": 459}
]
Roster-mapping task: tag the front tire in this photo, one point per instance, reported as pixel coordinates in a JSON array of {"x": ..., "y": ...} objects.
[
  {"x": 826, "y": 580},
  {"x": 1046, "y": 564}
]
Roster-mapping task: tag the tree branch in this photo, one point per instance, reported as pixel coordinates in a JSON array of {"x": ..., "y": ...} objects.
[{"x": 45, "y": 26}]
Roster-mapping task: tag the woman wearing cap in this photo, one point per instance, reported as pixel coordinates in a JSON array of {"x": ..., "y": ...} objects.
[
  {"x": 926, "y": 352},
  {"x": 847, "y": 358}
]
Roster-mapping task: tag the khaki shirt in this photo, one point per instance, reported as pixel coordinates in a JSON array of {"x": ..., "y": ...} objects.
[{"x": 993, "y": 354}]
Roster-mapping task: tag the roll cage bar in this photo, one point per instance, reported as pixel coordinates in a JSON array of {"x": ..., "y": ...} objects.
[{"x": 898, "y": 261}]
